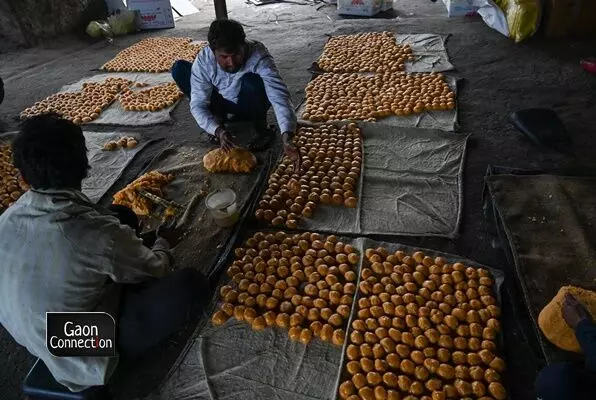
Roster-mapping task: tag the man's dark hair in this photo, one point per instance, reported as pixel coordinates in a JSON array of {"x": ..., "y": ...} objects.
[
  {"x": 226, "y": 35},
  {"x": 50, "y": 153}
]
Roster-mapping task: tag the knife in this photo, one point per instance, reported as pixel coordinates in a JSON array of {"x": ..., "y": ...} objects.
[{"x": 159, "y": 200}]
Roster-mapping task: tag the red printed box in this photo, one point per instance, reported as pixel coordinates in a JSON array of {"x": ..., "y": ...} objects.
[{"x": 153, "y": 14}]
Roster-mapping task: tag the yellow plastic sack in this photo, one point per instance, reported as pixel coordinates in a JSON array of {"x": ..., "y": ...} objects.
[{"x": 523, "y": 17}]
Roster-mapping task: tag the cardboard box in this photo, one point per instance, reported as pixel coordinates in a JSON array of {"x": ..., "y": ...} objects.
[
  {"x": 460, "y": 8},
  {"x": 569, "y": 18},
  {"x": 153, "y": 14},
  {"x": 365, "y": 8}
]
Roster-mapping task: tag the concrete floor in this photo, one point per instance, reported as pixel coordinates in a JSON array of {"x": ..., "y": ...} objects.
[{"x": 498, "y": 77}]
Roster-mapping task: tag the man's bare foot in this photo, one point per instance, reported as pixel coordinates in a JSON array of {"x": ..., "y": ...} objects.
[{"x": 574, "y": 312}]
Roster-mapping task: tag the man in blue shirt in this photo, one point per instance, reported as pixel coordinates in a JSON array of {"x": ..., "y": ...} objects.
[{"x": 238, "y": 77}]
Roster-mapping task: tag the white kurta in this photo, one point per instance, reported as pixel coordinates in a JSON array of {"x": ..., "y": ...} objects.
[
  {"x": 59, "y": 252},
  {"x": 207, "y": 74}
]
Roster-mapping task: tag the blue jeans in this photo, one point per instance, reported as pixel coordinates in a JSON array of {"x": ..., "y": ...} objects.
[
  {"x": 252, "y": 100},
  {"x": 568, "y": 381}
]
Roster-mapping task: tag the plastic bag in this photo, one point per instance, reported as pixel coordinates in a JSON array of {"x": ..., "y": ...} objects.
[
  {"x": 523, "y": 17},
  {"x": 123, "y": 22},
  {"x": 493, "y": 16},
  {"x": 97, "y": 29},
  {"x": 516, "y": 19}
]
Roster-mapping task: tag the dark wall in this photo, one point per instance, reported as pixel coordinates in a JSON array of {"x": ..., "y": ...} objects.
[{"x": 25, "y": 22}]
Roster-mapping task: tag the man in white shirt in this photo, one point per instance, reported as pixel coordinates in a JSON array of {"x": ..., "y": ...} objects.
[
  {"x": 60, "y": 252},
  {"x": 238, "y": 77}
]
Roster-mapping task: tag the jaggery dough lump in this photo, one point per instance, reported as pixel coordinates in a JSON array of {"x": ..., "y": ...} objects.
[
  {"x": 237, "y": 160},
  {"x": 551, "y": 321}
]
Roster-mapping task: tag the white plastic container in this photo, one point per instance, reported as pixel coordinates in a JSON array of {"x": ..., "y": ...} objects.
[{"x": 222, "y": 205}]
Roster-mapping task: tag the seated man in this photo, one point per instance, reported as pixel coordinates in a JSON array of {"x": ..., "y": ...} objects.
[
  {"x": 238, "y": 77},
  {"x": 569, "y": 381},
  {"x": 60, "y": 252}
]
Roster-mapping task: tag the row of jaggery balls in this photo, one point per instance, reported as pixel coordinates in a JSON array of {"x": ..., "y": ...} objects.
[
  {"x": 154, "y": 55},
  {"x": 364, "y": 52},
  {"x": 125, "y": 142},
  {"x": 424, "y": 329},
  {"x": 153, "y": 99},
  {"x": 331, "y": 165},
  {"x": 359, "y": 97},
  {"x": 81, "y": 106},
  {"x": 85, "y": 105},
  {"x": 12, "y": 185},
  {"x": 304, "y": 283}
]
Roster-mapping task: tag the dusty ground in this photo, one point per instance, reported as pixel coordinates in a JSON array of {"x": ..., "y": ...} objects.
[{"x": 498, "y": 78}]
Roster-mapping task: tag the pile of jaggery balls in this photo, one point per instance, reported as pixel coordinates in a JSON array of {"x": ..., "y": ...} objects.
[
  {"x": 304, "y": 283},
  {"x": 331, "y": 97},
  {"x": 125, "y": 142},
  {"x": 12, "y": 185},
  {"x": 153, "y": 99},
  {"x": 331, "y": 165},
  {"x": 81, "y": 106},
  {"x": 364, "y": 52},
  {"x": 154, "y": 55},
  {"x": 424, "y": 329}
]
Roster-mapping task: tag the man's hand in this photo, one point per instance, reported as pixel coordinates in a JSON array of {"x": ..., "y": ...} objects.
[
  {"x": 170, "y": 233},
  {"x": 291, "y": 151},
  {"x": 574, "y": 312},
  {"x": 225, "y": 139}
]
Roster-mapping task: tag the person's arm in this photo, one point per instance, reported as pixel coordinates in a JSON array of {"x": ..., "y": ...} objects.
[
  {"x": 578, "y": 318},
  {"x": 201, "y": 89},
  {"x": 585, "y": 332},
  {"x": 278, "y": 95},
  {"x": 133, "y": 262}
]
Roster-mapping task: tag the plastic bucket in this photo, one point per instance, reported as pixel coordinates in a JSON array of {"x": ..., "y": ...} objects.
[{"x": 222, "y": 205}]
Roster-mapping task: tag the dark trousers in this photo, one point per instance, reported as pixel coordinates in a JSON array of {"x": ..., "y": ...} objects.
[
  {"x": 252, "y": 99},
  {"x": 570, "y": 381},
  {"x": 152, "y": 311}
]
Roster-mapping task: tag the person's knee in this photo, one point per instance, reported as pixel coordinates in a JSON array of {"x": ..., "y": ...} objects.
[
  {"x": 557, "y": 381},
  {"x": 181, "y": 71},
  {"x": 181, "y": 67},
  {"x": 253, "y": 82},
  {"x": 253, "y": 99}
]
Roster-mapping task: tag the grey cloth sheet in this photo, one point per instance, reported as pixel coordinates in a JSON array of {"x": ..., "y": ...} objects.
[
  {"x": 431, "y": 54},
  {"x": 411, "y": 185},
  {"x": 106, "y": 166},
  {"x": 114, "y": 114},
  {"x": 234, "y": 362},
  {"x": 548, "y": 229},
  {"x": 443, "y": 120},
  {"x": 203, "y": 238}
]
